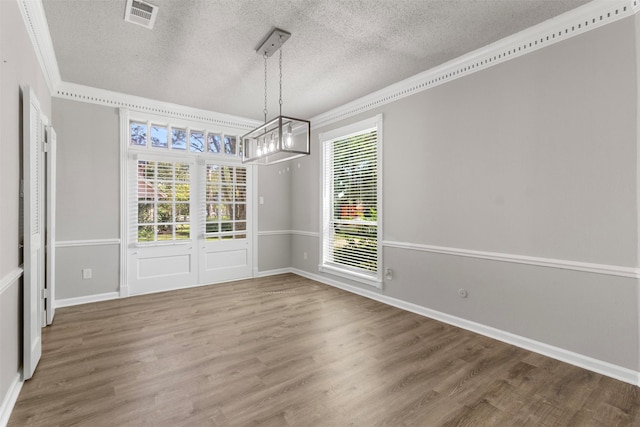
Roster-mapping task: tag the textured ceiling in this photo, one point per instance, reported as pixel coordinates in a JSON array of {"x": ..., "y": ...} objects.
[{"x": 201, "y": 53}]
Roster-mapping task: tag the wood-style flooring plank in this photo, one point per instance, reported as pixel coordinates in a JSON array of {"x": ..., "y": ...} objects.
[{"x": 288, "y": 351}]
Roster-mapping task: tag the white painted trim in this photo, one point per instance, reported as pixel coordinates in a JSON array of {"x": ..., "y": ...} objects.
[
  {"x": 37, "y": 27},
  {"x": 306, "y": 233},
  {"x": 10, "y": 278},
  {"x": 10, "y": 399},
  {"x": 586, "y": 362},
  {"x": 572, "y": 23},
  {"x": 283, "y": 232},
  {"x": 68, "y": 302},
  {"x": 87, "y": 242},
  {"x": 124, "y": 202},
  {"x": 274, "y": 233},
  {"x": 611, "y": 270},
  {"x": 108, "y": 98},
  {"x": 351, "y": 275},
  {"x": 274, "y": 272}
]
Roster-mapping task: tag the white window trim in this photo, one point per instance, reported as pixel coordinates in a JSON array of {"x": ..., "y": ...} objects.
[{"x": 376, "y": 279}]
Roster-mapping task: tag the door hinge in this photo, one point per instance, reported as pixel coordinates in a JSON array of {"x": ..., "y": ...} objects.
[
  {"x": 45, "y": 146},
  {"x": 46, "y": 294}
]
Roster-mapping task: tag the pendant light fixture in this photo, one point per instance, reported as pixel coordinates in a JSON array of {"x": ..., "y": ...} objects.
[{"x": 282, "y": 138}]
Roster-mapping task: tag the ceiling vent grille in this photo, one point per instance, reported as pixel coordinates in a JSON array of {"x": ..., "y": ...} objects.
[{"x": 141, "y": 13}]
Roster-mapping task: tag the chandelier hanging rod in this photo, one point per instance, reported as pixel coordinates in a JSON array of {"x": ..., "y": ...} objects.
[{"x": 282, "y": 138}]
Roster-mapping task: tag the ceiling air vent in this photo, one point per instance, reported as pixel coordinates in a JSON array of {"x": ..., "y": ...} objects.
[{"x": 141, "y": 13}]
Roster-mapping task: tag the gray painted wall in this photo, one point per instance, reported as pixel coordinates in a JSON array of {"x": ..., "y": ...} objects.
[
  {"x": 536, "y": 157},
  {"x": 274, "y": 216},
  {"x": 88, "y": 170},
  {"x": 19, "y": 67},
  {"x": 88, "y": 204}
]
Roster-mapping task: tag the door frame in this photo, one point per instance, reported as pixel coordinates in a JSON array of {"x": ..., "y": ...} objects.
[
  {"x": 50, "y": 230},
  {"x": 33, "y": 140},
  {"x": 125, "y": 243}
]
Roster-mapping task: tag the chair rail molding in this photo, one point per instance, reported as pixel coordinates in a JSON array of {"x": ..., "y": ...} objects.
[
  {"x": 612, "y": 270},
  {"x": 86, "y": 242},
  {"x": 10, "y": 278}
]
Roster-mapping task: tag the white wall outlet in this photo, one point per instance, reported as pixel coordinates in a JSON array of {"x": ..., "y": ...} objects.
[
  {"x": 304, "y": 255},
  {"x": 87, "y": 273},
  {"x": 261, "y": 200}
]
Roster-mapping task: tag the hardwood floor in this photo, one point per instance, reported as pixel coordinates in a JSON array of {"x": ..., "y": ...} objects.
[{"x": 288, "y": 351}]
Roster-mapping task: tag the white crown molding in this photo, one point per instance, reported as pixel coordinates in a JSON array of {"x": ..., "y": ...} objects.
[
  {"x": 35, "y": 22},
  {"x": 611, "y": 270},
  {"x": 108, "y": 98},
  {"x": 10, "y": 279},
  {"x": 605, "y": 368},
  {"x": 580, "y": 20},
  {"x": 88, "y": 242}
]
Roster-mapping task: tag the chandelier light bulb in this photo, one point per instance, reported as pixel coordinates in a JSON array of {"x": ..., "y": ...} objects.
[
  {"x": 272, "y": 143},
  {"x": 288, "y": 139}
]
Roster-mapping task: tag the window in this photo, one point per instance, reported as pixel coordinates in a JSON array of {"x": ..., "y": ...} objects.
[
  {"x": 163, "y": 199},
  {"x": 351, "y": 229},
  {"x": 225, "y": 202},
  {"x": 182, "y": 139}
]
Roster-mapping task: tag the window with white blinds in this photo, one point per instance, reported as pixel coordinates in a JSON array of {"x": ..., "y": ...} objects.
[
  {"x": 352, "y": 202},
  {"x": 225, "y": 202},
  {"x": 161, "y": 201}
]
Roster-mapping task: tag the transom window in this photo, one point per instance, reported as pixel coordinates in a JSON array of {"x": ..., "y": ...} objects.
[{"x": 182, "y": 139}]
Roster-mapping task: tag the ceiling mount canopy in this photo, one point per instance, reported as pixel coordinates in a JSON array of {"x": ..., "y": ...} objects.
[{"x": 282, "y": 138}]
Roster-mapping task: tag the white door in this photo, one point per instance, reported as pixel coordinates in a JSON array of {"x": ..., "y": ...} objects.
[
  {"x": 50, "y": 293},
  {"x": 162, "y": 252},
  {"x": 33, "y": 169},
  {"x": 225, "y": 238}
]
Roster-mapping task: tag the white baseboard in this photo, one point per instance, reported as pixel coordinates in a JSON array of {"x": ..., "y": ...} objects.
[
  {"x": 267, "y": 273},
  {"x": 67, "y": 302},
  {"x": 9, "y": 400},
  {"x": 580, "y": 360}
]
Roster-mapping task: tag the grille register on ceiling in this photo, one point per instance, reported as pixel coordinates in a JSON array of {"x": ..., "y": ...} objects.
[{"x": 141, "y": 13}]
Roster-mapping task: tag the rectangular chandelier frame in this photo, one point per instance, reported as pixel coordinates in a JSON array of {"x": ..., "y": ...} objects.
[{"x": 279, "y": 140}]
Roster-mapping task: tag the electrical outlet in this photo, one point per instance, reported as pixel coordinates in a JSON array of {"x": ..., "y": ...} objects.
[
  {"x": 304, "y": 255},
  {"x": 87, "y": 273}
]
